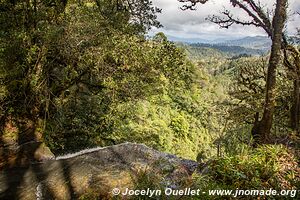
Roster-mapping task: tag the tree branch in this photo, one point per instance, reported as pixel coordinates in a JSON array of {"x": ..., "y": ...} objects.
[
  {"x": 229, "y": 20},
  {"x": 254, "y": 11}
]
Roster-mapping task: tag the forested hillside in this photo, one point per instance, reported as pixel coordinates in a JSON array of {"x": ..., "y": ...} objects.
[{"x": 82, "y": 74}]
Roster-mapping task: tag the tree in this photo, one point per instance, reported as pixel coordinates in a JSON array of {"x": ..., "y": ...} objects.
[
  {"x": 274, "y": 28},
  {"x": 292, "y": 62},
  {"x": 46, "y": 52},
  {"x": 24, "y": 77}
]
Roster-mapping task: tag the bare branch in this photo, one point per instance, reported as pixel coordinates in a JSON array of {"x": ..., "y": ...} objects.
[
  {"x": 263, "y": 16},
  {"x": 229, "y": 20},
  {"x": 254, "y": 10}
]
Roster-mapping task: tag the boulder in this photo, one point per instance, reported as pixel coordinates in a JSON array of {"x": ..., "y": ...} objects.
[{"x": 94, "y": 173}]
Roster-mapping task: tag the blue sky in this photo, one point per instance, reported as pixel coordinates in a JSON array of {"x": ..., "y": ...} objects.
[{"x": 192, "y": 24}]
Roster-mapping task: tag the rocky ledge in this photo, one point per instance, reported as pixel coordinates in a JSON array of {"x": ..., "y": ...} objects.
[{"x": 93, "y": 173}]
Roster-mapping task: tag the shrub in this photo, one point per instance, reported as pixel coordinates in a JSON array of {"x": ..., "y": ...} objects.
[{"x": 269, "y": 166}]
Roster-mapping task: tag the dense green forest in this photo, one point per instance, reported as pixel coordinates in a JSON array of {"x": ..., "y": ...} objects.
[{"x": 83, "y": 73}]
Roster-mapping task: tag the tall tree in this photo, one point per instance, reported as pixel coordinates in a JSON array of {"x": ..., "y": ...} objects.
[
  {"x": 292, "y": 62},
  {"x": 45, "y": 50},
  {"x": 274, "y": 28}
]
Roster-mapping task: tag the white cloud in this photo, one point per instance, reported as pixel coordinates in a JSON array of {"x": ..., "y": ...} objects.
[{"x": 192, "y": 24}]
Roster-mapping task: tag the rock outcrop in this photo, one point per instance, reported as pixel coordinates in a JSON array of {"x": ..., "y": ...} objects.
[{"x": 93, "y": 173}]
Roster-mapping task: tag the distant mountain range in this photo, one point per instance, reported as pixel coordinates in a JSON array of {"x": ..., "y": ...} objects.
[
  {"x": 258, "y": 42},
  {"x": 188, "y": 40},
  {"x": 231, "y": 50},
  {"x": 248, "y": 45}
]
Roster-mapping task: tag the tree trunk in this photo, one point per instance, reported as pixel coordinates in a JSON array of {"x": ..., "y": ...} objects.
[
  {"x": 295, "y": 109},
  {"x": 265, "y": 125}
]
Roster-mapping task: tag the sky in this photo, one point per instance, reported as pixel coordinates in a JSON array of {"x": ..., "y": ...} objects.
[{"x": 192, "y": 24}]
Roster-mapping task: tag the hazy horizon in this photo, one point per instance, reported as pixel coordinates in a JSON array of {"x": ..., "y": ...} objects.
[{"x": 217, "y": 40}]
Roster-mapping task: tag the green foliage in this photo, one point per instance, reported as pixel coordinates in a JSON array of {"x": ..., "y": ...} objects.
[
  {"x": 67, "y": 64},
  {"x": 258, "y": 169},
  {"x": 86, "y": 70},
  {"x": 196, "y": 53},
  {"x": 83, "y": 74},
  {"x": 262, "y": 168},
  {"x": 136, "y": 90},
  {"x": 246, "y": 93}
]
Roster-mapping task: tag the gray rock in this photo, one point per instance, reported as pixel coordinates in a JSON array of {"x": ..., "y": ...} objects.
[{"x": 93, "y": 173}]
